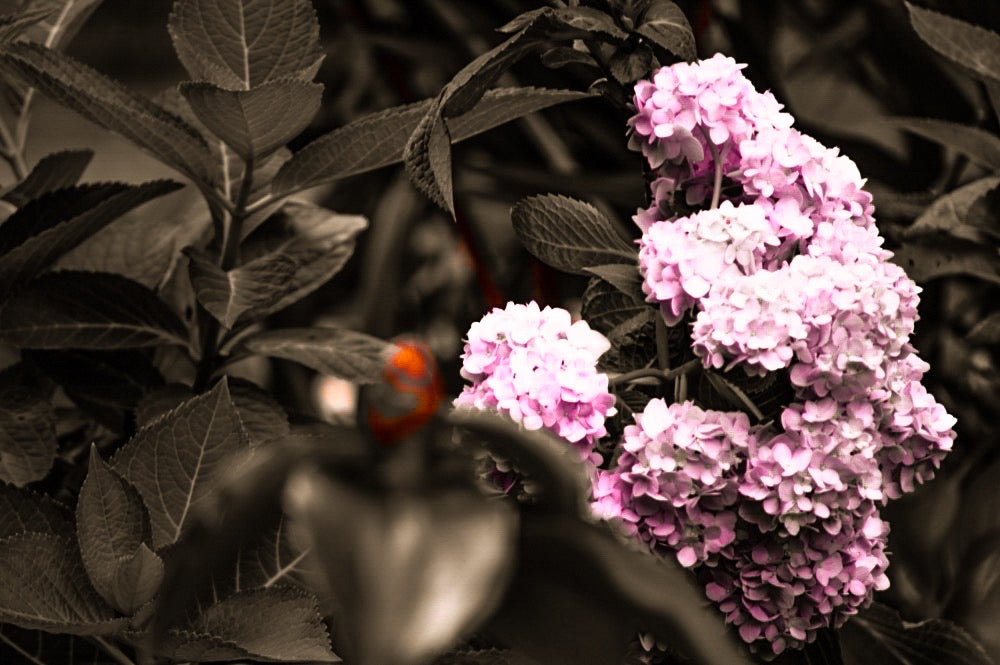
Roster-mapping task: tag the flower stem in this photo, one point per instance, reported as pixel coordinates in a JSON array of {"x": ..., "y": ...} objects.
[
  {"x": 662, "y": 375},
  {"x": 717, "y": 184},
  {"x": 662, "y": 343}
]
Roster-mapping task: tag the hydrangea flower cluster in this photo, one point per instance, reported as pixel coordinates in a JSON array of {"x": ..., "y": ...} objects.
[
  {"x": 780, "y": 521},
  {"x": 538, "y": 366}
]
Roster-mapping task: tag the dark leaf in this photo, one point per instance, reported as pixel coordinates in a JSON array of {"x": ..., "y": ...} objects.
[
  {"x": 628, "y": 67},
  {"x": 241, "y": 45},
  {"x": 227, "y": 295},
  {"x": 23, "y": 511},
  {"x": 561, "y": 56},
  {"x": 568, "y": 234},
  {"x": 175, "y": 462},
  {"x": 623, "y": 276},
  {"x": 605, "y": 306},
  {"x": 977, "y": 144},
  {"x": 969, "y": 45},
  {"x": 664, "y": 24},
  {"x": 428, "y": 160},
  {"x": 44, "y": 586},
  {"x": 878, "y": 635},
  {"x": 52, "y": 172},
  {"x": 41, "y": 232},
  {"x": 951, "y": 211},
  {"x": 112, "y": 106},
  {"x": 632, "y": 343},
  {"x": 28, "y": 444},
  {"x": 378, "y": 140},
  {"x": 262, "y": 417},
  {"x": 939, "y": 257},
  {"x": 255, "y": 122},
  {"x": 81, "y": 310},
  {"x": 347, "y": 354}
]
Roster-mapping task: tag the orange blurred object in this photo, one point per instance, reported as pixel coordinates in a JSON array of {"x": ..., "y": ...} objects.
[{"x": 407, "y": 396}]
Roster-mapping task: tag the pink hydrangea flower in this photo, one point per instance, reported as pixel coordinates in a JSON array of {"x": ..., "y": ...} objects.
[{"x": 539, "y": 367}]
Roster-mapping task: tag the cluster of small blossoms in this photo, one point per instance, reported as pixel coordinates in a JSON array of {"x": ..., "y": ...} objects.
[
  {"x": 781, "y": 522},
  {"x": 539, "y": 367}
]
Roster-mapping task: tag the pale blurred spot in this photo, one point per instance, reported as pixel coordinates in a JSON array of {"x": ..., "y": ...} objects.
[{"x": 336, "y": 399}]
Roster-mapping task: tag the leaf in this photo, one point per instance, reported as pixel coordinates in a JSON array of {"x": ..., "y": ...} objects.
[
  {"x": 987, "y": 331},
  {"x": 63, "y": 20},
  {"x": 15, "y": 23},
  {"x": 84, "y": 310},
  {"x": 112, "y": 106},
  {"x": 623, "y": 276},
  {"x": 878, "y": 635},
  {"x": 605, "y": 306},
  {"x": 255, "y": 122},
  {"x": 24, "y": 511},
  {"x": 227, "y": 295},
  {"x": 39, "y": 233},
  {"x": 665, "y": 24},
  {"x": 275, "y": 624},
  {"x": 568, "y": 234},
  {"x": 28, "y": 444},
  {"x": 428, "y": 160},
  {"x": 977, "y": 144},
  {"x": 44, "y": 586},
  {"x": 940, "y": 257},
  {"x": 245, "y": 43},
  {"x": 969, "y": 45},
  {"x": 175, "y": 462},
  {"x": 347, "y": 354},
  {"x": 52, "y": 172},
  {"x": 262, "y": 417},
  {"x": 378, "y": 139},
  {"x": 112, "y": 527},
  {"x": 951, "y": 210}
]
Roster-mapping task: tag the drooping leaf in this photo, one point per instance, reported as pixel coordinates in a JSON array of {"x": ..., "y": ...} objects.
[
  {"x": 45, "y": 586},
  {"x": 878, "y": 635},
  {"x": 977, "y": 144},
  {"x": 112, "y": 106},
  {"x": 23, "y": 511},
  {"x": 52, "y": 172},
  {"x": 347, "y": 354},
  {"x": 605, "y": 306},
  {"x": 428, "y": 160},
  {"x": 398, "y": 559},
  {"x": 568, "y": 234},
  {"x": 245, "y": 44},
  {"x": 664, "y": 24},
  {"x": 44, "y": 230},
  {"x": 969, "y": 45},
  {"x": 255, "y": 122},
  {"x": 933, "y": 257},
  {"x": 112, "y": 528},
  {"x": 28, "y": 444},
  {"x": 378, "y": 139},
  {"x": 175, "y": 462},
  {"x": 951, "y": 210},
  {"x": 81, "y": 310}
]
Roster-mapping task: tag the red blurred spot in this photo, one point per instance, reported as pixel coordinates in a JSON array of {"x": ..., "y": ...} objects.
[{"x": 409, "y": 395}]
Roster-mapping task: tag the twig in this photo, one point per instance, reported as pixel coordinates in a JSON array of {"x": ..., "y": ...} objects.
[{"x": 717, "y": 184}]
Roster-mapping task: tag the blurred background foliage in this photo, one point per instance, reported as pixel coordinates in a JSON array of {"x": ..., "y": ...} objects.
[{"x": 843, "y": 68}]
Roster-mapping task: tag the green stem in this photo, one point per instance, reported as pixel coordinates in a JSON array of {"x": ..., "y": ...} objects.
[
  {"x": 661, "y": 375},
  {"x": 717, "y": 184}
]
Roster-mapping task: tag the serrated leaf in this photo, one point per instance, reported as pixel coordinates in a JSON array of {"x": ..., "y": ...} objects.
[
  {"x": 347, "y": 354},
  {"x": 378, "y": 139},
  {"x": 255, "y": 122},
  {"x": 623, "y": 276},
  {"x": 175, "y": 462},
  {"x": 951, "y": 210},
  {"x": 427, "y": 157},
  {"x": 45, "y": 586},
  {"x": 28, "y": 444},
  {"x": 568, "y": 234},
  {"x": 112, "y": 106},
  {"x": 227, "y": 295},
  {"x": 44, "y": 230},
  {"x": 136, "y": 580},
  {"x": 878, "y": 635},
  {"x": 55, "y": 171},
  {"x": 932, "y": 258},
  {"x": 664, "y": 24},
  {"x": 977, "y": 144},
  {"x": 262, "y": 417},
  {"x": 606, "y": 306},
  {"x": 969, "y": 45},
  {"x": 24, "y": 511},
  {"x": 243, "y": 44},
  {"x": 81, "y": 310}
]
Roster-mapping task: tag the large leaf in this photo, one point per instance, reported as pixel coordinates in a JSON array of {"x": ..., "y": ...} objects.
[
  {"x": 977, "y": 144},
  {"x": 44, "y": 230},
  {"x": 969, "y": 45},
  {"x": 378, "y": 140},
  {"x": 28, "y": 444},
  {"x": 428, "y": 160},
  {"x": 45, "y": 586},
  {"x": 81, "y": 310},
  {"x": 347, "y": 354},
  {"x": 112, "y": 106},
  {"x": 245, "y": 43},
  {"x": 175, "y": 462},
  {"x": 568, "y": 234},
  {"x": 664, "y": 24},
  {"x": 255, "y": 122},
  {"x": 111, "y": 527},
  {"x": 951, "y": 211},
  {"x": 23, "y": 511},
  {"x": 605, "y": 306},
  {"x": 931, "y": 258},
  {"x": 878, "y": 636},
  {"x": 52, "y": 172},
  {"x": 276, "y": 624}
]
